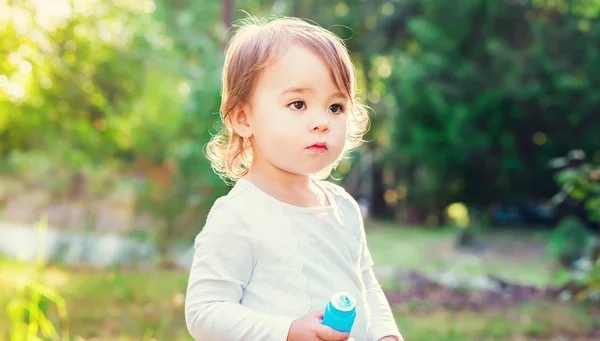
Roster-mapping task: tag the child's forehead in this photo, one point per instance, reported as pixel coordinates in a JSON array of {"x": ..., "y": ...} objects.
[{"x": 298, "y": 68}]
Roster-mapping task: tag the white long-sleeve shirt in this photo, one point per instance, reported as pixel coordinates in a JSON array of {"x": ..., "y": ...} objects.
[{"x": 260, "y": 263}]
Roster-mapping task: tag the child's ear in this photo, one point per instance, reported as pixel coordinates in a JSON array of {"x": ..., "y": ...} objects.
[{"x": 240, "y": 121}]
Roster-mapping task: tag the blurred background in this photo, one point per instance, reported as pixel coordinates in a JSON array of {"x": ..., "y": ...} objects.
[{"x": 480, "y": 185}]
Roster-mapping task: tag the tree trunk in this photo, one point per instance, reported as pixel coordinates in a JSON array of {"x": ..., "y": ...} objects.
[{"x": 227, "y": 13}]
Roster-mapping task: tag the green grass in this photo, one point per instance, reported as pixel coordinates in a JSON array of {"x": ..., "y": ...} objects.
[
  {"x": 110, "y": 305},
  {"x": 531, "y": 321},
  {"x": 127, "y": 306},
  {"x": 114, "y": 305},
  {"x": 515, "y": 256}
]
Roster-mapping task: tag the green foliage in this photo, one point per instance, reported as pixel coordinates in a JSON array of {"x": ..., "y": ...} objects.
[
  {"x": 123, "y": 91},
  {"x": 488, "y": 107},
  {"x": 29, "y": 308},
  {"x": 179, "y": 185},
  {"x": 132, "y": 90},
  {"x": 569, "y": 240},
  {"x": 28, "y": 312},
  {"x": 586, "y": 279},
  {"x": 67, "y": 88},
  {"x": 573, "y": 239},
  {"x": 61, "y": 79},
  {"x": 581, "y": 184}
]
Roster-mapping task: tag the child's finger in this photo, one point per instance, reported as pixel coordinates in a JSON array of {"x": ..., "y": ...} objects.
[
  {"x": 317, "y": 313},
  {"x": 330, "y": 334}
]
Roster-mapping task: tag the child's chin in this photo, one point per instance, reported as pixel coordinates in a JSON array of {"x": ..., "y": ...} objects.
[{"x": 313, "y": 170}]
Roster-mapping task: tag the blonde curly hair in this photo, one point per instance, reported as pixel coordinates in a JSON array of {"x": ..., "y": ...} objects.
[{"x": 255, "y": 45}]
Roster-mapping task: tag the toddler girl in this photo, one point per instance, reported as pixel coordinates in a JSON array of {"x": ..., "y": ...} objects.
[{"x": 283, "y": 240}]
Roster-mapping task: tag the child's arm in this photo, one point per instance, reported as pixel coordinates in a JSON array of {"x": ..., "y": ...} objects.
[
  {"x": 221, "y": 268},
  {"x": 383, "y": 325}
]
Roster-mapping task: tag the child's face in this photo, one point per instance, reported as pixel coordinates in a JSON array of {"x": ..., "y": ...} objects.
[{"x": 297, "y": 116}]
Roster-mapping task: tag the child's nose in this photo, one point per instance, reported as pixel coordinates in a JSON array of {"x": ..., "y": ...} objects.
[{"x": 320, "y": 123}]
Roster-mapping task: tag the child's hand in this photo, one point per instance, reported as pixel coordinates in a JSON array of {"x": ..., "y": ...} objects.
[{"x": 310, "y": 328}]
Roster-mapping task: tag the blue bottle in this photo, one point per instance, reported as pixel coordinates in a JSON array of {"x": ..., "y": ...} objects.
[{"x": 340, "y": 312}]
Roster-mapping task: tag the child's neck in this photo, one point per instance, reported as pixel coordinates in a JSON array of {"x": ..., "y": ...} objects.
[{"x": 293, "y": 189}]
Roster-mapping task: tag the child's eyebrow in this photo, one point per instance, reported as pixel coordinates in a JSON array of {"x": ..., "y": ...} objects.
[
  {"x": 302, "y": 90},
  {"x": 339, "y": 95},
  {"x": 296, "y": 90}
]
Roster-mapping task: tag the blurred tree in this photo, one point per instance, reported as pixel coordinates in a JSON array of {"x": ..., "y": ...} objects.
[
  {"x": 93, "y": 83},
  {"x": 487, "y": 93},
  {"x": 177, "y": 186},
  {"x": 71, "y": 70},
  {"x": 470, "y": 98},
  {"x": 60, "y": 78}
]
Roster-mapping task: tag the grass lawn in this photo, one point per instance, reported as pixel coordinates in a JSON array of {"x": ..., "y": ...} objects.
[
  {"x": 116, "y": 305},
  {"x": 518, "y": 257},
  {"x": 529, "y": 321}
]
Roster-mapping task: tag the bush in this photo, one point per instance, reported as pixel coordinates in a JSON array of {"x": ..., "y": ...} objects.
[
  {"x": 569, "y": 241},
  {"x": 573, "y": 242},
  {"x": 586, "y": 279}
]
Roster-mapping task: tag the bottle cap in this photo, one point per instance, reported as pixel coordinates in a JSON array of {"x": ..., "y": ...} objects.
[{"x": 343, "y": 301}]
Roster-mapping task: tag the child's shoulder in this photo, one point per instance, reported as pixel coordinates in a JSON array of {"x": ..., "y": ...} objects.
[
  {"x": 234, "y": 205},
  {"x": 347, "y": 205},
  {"x": 339, "y": 193},
  {"x": 333, "y": 187}
]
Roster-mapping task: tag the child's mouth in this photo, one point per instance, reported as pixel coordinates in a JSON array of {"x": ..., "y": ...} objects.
[{"x": 318, "y": 147}]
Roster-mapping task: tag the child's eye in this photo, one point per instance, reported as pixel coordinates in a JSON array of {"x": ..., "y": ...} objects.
[
  {"x": 297, "y": 105},
  {"x": 336, "y": 109}
]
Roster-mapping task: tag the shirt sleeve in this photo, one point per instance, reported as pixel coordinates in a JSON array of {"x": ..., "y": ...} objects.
[
  {"x": 381, "y": 319},
  {"x": 225, "y": 253}
]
